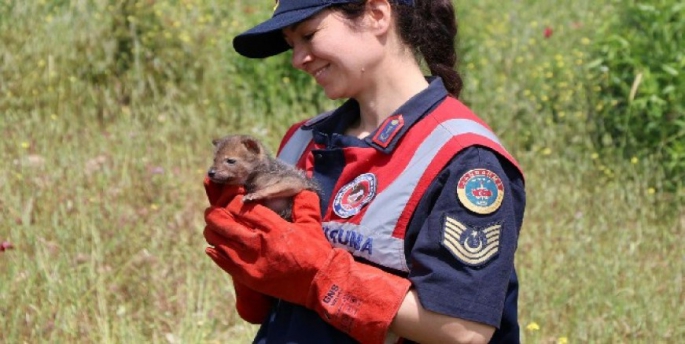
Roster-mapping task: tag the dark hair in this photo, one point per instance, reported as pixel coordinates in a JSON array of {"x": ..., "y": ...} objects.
[{"x": 430, "y": 29}]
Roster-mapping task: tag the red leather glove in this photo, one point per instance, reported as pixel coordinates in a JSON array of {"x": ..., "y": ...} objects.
[
  {"x": 252, "y": 306},
  {"x": 295, "y": 262}
]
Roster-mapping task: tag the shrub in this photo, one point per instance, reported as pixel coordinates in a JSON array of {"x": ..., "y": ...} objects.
[{"x": 639, "y": 107}]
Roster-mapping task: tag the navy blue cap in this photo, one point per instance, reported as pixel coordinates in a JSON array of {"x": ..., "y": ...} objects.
[{"x": 266, "y": 39}]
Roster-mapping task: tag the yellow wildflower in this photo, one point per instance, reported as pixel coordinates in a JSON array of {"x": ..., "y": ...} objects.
[{"x": 533, "y": 326}]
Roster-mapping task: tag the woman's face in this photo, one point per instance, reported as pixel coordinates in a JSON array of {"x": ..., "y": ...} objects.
[{"x": 340, "y": 57}]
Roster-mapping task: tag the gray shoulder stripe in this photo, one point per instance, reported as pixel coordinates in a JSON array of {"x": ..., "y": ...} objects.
[
  {"x": 464, "y": 126},
  {"x": 294, "y": 148},
  {"x": 392, "y": 200}
]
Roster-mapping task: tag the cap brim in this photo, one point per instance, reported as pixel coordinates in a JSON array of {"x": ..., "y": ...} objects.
[{"x": 266, "y": 39}]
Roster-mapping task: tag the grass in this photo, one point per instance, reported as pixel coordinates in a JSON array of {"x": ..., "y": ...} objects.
[{"x": 101, "y": 194}]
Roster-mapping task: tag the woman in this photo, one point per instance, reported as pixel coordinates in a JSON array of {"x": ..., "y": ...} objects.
[{"x": 414, "y": 233}]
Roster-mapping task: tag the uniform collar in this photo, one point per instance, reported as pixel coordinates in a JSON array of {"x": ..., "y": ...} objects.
[{"x": 329, "y": 128}]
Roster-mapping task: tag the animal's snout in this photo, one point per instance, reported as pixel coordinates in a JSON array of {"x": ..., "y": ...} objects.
[{"x": 211, "y": 172}]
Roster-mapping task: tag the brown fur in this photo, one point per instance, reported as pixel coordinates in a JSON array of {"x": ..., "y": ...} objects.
[{"x": 243, "y": 160}]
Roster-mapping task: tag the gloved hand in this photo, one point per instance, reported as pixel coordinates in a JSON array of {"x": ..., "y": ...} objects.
[
  {"x": 251, "y": 306},
  {"x": 220, "y": 194},
  {"x": 295, "y": 262}
]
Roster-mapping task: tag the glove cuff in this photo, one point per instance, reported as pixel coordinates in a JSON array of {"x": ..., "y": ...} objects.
[{"x": 356, "y": 298}]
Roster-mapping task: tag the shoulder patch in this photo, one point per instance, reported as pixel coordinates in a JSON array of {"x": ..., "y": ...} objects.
[
  {"x": 471, "y": 246},
  {"x": 480, "y": 191}
]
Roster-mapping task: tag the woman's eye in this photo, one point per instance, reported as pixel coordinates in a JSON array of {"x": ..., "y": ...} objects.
[{"x": 308, "y": 37}]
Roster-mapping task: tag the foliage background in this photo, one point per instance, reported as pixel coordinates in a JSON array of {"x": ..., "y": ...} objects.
[{"x": 108, "y": 108}]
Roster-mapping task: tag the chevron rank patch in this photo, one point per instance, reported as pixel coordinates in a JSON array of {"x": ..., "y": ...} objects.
[{"x": 471, "y": 246}]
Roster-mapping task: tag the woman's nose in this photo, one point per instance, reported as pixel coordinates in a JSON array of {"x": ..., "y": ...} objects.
[{"x": 300, "y": 57}]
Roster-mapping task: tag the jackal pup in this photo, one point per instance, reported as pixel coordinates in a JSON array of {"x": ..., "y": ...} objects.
[{"x": 243, "y": 160}]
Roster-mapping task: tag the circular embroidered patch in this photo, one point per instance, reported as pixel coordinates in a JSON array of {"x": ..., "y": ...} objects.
[
  {"x": 354, "y": 195},
  {"x": 481, "y": 191}
]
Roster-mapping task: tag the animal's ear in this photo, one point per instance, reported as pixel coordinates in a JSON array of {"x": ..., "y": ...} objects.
[
  {"x": 252, "y": 145},
  {"x": 215, "y": 142}
]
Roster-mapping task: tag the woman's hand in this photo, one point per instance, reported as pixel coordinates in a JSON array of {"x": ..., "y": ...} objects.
[
  {"x": 293, "y": 261},
  {"x": 220, "y": 194},
  {"x": 251, "y": 305},
  {"x": 265, "y": 252}
]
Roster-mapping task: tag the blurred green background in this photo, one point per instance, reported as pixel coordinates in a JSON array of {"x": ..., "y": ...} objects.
[{"x": 108, "y": 109}]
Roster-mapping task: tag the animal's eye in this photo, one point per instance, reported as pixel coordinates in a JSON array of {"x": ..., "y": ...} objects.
[{"x": 230, "y": 161}]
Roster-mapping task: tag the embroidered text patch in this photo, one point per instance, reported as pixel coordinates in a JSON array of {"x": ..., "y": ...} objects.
[{"x": 480, "y": 191}]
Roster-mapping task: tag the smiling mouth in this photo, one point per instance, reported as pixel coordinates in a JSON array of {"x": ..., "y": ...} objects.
[{"x": 317, "y": 73}]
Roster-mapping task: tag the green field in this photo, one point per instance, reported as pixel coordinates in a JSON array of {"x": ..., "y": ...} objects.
[{"x": 108, "y": 109}]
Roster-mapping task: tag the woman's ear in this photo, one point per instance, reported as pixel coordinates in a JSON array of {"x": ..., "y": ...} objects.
[{"x": 379, "y": 13}]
